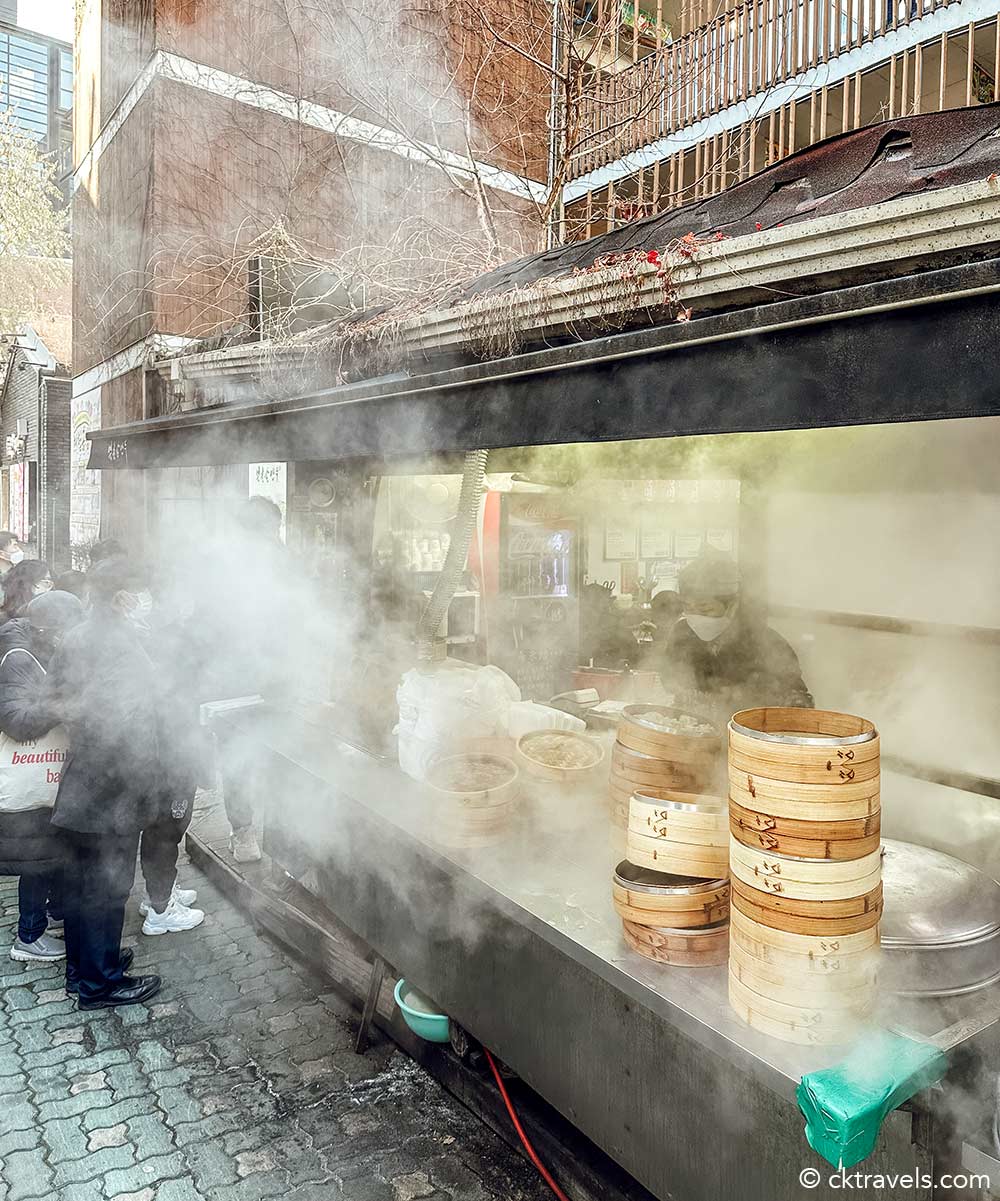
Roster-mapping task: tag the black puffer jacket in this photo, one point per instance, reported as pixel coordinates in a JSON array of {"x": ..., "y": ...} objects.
[
  {"x": 28, "y": 842},
  {"x": 104, "y": 684},
  {"x": 751, "y": 665}
]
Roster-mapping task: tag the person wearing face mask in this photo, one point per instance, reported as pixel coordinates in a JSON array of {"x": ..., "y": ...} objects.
[
  {"x": 29, "y": 773},
  {"x": 104, "y": 687},
  {"x": 719, "y": 657},
  {"x": 27, "y": 579},
  {"x": 10, "y": 552}
]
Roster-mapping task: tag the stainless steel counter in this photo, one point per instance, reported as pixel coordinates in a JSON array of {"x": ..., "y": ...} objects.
[{"x": 531, "y": 916}]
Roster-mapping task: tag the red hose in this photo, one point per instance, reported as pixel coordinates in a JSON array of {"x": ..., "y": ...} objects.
[{"x": 532, "y": 1154}]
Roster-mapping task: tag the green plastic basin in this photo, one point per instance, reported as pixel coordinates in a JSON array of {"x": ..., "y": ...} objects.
[{"x": 430, "y": 1026}]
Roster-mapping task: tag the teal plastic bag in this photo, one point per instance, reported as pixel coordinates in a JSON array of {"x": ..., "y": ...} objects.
[{"x": 844, "y": 1106}]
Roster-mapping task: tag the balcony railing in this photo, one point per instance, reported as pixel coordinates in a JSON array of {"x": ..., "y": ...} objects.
[{"x": 739, "y": 54}]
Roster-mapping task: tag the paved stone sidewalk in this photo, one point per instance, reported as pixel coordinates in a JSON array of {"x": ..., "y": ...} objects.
[{"x": 238, "y": 1082}]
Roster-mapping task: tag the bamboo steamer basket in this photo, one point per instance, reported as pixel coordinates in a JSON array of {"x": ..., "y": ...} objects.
[
  {"x": 804, "y": 802},
  {"x": 826, "y": 893},
  {"x": 647, "y": 898},
  {"x": 830, "y": 773},
  {"x": 702, "y": 859},
  {"x": 816, "y": 908},
  {"x": 793, "y": 1024},
  {"x": 804, "y": 746},
  {"x": 852, "y": 973},
  {"x": 704, "y": 947},
  {"x": 588, "y": 747},
  {"x": 467, "y": 818},
  {"x": 765, "y": 865},
  {"x": 817, "y": 921},
  {"x": 818, "y": 952},
  {"x": 820, "y": 992},
  {"x": 640, "y": 730},
  {"x": 671, "y": 819},
  {"x": 470, "y": 797},
  {"x": 636, "y": 769},
  {"x": 835, "y": 840}
]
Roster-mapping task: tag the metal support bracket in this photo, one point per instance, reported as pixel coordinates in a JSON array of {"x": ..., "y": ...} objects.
[{"x": 368, "y": 1013}]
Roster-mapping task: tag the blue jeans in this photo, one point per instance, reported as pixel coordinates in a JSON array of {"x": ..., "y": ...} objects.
[{"x": 38, "y": 897}]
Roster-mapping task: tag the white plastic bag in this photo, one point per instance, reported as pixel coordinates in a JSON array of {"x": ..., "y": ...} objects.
[{"x": 443, "y": 706}]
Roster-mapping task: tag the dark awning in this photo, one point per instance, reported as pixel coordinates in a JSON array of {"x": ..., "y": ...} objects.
[{"x": 911, "y": 349}]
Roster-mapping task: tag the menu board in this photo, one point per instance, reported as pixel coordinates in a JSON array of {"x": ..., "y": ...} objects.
[
  {"x": 655, "y": 542},
  {"x": 688, "y": 544},
  {"x": 620, "y": 541}
]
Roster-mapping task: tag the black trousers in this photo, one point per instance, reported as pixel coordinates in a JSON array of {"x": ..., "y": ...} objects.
[
  {"x": 158, "y": 855},
  {"x": 98, "y": 877}
]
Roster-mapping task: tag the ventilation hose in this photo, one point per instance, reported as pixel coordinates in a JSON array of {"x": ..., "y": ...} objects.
[{"x": 429, "y": 646}]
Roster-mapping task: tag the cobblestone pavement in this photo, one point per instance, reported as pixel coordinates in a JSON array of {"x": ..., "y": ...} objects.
[{"x": 238, "y": 1082}]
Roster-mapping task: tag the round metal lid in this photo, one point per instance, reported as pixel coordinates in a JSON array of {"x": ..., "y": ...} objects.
[
  {"x": 712, "y": 806},
  {"x": 803, "y": 739},
  {"x": 642, "y": 879},
  {"x": 933, "y": 899}
]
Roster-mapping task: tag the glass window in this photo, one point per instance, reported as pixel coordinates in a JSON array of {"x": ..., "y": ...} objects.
[
  {"x": 24, "y": 83},
  {"x": 65, "y": 80}
]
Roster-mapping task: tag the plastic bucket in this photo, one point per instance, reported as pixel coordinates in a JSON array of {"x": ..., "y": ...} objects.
[{"x": 433, "y": 1027}]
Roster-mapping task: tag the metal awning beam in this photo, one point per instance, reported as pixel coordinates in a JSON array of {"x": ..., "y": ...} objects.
[{"x": 912, "y": 349}]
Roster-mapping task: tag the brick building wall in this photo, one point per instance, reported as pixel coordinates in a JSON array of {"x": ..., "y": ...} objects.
[{"x": 41, "y": 400}]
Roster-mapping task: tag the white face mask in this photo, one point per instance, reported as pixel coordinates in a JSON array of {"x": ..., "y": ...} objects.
[
  {"x": 15, "y": 556},
  {"x": 708, "y": 628}
]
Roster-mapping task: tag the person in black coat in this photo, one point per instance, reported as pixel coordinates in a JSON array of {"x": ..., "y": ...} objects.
[
  {"x": 29, "y": 847},
  {"x": 179, "y": 660},
  {"x": 720, "y": 658},
  {"x": 104, "y": 684}
]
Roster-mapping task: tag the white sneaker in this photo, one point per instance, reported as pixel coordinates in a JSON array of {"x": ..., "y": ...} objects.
[
  {"x": 186, "y": 896},
  {"x": 42, "y": 950},
  {"x": 173, "y": 920},
  {"x": 244, "y": 846}
]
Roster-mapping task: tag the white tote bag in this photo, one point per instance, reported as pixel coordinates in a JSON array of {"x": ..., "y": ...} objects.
[{"x": 30, "y": 771}]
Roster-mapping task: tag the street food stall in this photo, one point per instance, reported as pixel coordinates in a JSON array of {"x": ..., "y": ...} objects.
[{"x": 586, "y": 864}]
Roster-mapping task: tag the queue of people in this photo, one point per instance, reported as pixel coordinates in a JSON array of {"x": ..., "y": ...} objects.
[{"x": 100, "y": 757}]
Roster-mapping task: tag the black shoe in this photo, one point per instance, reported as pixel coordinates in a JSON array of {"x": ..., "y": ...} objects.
[
  {"x": 73, "y": 989},
  {"x": 131, "y": 991}
]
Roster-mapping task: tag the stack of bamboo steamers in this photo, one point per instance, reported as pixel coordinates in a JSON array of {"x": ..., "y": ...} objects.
[
  {"x": 805, "y": 867},
  {"x": 671, "y": 891}
]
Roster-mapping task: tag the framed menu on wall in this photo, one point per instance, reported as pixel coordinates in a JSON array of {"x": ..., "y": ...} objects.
[
  {"x": 655, "y": 542},
  {"x": 620, "y": 541}
]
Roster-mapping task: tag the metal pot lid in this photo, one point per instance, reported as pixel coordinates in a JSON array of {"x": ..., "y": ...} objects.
[
  {"x": 803, "y": 739},
  {"x": 642, "y": 879},
  {"x": 935, "y": 900}
]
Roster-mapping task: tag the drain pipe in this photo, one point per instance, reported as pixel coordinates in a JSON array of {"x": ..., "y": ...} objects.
[{"x": 429, "y": 646}]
